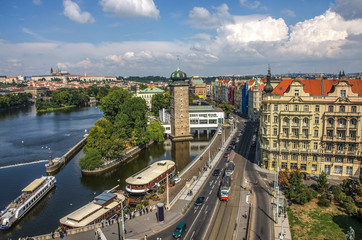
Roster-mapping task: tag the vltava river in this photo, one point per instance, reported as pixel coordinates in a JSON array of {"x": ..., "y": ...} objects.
[{"x": 28, "y": 137}]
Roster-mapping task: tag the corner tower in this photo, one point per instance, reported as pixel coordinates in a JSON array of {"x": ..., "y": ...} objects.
[{"x": 179, "y": 104}]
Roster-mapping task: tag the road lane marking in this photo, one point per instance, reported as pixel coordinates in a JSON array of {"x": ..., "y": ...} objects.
[
  {"x": 194, "y": 221},
  {"x": 212, "y": 186},
  {"x": 207, "y": 198},
  {"x": 192, "y": 234},
  {"x": 210, "y": 192}
]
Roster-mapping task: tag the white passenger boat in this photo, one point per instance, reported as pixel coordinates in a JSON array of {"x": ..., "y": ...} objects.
[{"x": 35, "y": 191}]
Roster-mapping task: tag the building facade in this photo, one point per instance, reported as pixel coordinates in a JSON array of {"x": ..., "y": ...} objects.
[
  {"x": 148, "y": 93},
  {"x": 313, "y": 125}
]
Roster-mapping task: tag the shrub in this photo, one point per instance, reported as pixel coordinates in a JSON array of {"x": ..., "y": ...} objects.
[
  {"x": 324, "y": 201},
  {"x": 91, "y": 160},
  {"x": 348, "y": 205}
]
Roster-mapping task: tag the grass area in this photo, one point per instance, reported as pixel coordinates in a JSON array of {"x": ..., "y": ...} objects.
[
  {"x": 313, "y": 222},
  {"x": 55, "y": 109}
]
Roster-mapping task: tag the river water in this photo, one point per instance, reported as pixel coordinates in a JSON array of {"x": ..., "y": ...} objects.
[{"x": 28, "y": 139}]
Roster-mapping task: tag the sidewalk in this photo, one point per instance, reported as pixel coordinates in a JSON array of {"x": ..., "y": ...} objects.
[{"x": 147, "y": 224}]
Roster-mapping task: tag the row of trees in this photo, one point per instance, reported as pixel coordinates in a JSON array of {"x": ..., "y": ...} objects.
[
  {"x": 66, "y": 97},
  {"x": 11, "y": 100},
  {"x": 124, "y": 125},
  {"x": 342, "y": 195}
]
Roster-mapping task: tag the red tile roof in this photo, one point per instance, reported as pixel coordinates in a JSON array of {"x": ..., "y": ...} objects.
[{"x": 314, "y": 86}]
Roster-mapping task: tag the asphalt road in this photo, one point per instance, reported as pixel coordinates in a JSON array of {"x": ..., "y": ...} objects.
[{"x": 217, "y": 220}]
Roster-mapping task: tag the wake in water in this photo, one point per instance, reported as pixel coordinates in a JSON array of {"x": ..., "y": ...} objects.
[{"x": 23, "y": 164}]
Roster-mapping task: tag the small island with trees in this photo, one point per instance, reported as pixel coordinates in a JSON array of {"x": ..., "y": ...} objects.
[{"x": 123, "y": 126}]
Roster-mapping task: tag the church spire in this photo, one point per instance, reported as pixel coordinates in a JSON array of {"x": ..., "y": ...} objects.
[{"x": 268, "y": 87}]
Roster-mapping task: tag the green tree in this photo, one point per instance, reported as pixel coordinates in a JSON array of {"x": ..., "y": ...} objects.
[
  {"x": 160, "y": 101},
  {"x": 155, "y": 131},
  {"x": 91, "y": 160},
  {"x": 324, "y": 201},
  {"x": 112, "y": 104},
  {"x": 226, "y": 107},
  {"x": 322, "y": 183},
  {"x": 192, "y": 97},
  {"x": 296, "y": 191}
]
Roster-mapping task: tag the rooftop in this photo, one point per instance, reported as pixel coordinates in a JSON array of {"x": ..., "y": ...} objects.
[{"x": 149, "y": 173}]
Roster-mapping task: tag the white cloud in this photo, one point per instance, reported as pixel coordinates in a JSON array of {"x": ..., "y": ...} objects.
[
  {"x": 327, "y": 27},
  {"x": 348, "y": 9},
  {"x": 131, "y": 8},
  {"x": 202, "y": 18},
  {"x": 252, "y": 4},
  {"x": 244, "y": 31},
  {"x": 289, "y": 12},
  {"x": 202, "y": 36},
  {"x": 37, "y": 2},
  {"x": 74, "y": 13}
]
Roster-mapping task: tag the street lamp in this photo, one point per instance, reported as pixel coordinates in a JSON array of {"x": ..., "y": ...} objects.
[
  {"x": 167, "y": 191},
  {"x": 122, "y": 216}
]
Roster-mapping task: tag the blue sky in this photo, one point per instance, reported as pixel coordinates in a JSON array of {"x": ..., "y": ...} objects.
[{"x": 154, "y": 37}]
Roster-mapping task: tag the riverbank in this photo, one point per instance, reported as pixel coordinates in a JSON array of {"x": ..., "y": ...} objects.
[
  {"x": 55, "y": 109},
  {"x": 128, "y": 156}
]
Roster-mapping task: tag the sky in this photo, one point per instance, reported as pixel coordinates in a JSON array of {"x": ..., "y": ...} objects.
[{"x": 202, "y": 37}]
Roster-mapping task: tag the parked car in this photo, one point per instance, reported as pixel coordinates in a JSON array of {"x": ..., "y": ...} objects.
[
  {"x": 229, "y": 148},
  {"x": 199, "y": 200},
  {"x": 330, "y": 189},
  {"x": 315, "y": 178},
  {"x": 180, "y": 229},
  {"x": 216, "y": 172}
]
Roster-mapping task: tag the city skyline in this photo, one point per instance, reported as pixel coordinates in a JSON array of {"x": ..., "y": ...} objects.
[{"x": 146, "y": 37}]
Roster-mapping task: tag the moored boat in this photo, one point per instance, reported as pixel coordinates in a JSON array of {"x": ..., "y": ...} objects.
[
  {"x": 150, "y": 177},
  {"x": 31, "y": 194}
]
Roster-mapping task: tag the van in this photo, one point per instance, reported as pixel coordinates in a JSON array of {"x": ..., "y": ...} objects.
[
  {"x": 180, "y": 229},
  {"x": 220, "y": 131}
]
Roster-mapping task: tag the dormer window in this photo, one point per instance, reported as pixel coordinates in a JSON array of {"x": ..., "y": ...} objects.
[
  {"x": 343, "y": 93},
  {"x": 296, "y": 92},
  {"x": 330, "y": 108}
]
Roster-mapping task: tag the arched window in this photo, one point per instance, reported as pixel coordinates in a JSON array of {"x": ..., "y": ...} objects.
[
  {"x": 353, "y": 122},
  {"x": 330, "y": 121},
  {"x": 295, "y": 121},
  {"x": 286, "y": 121},
  {"x": 306, "y": 122},
  {"x": 342, "y": 122}
]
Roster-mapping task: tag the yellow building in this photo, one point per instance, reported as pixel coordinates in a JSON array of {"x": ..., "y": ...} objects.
[{"x": 313, "y": 125}]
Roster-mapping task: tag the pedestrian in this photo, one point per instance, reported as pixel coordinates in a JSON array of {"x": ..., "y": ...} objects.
[
  {"x": 52, "y": 235},
  {"x": 65, "y": 232},
  {"x": 143, "y": 210},
  {"x": 147, "y": 209},
  {"x": 140, "y": 211},
  {"x": 61, "y": 234},
  {"x": 150, "y": 208},
  {"x": 102, "y": 223}
]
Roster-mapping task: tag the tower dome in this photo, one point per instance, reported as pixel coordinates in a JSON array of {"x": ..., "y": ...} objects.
[{"x": 178, "y": 75}]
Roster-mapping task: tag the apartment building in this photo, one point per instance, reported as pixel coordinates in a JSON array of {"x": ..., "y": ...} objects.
[{"x": 313, "y": 125}]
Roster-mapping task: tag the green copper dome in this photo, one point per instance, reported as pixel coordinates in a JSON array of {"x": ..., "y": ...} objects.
[{"x": 178, "y": 75}]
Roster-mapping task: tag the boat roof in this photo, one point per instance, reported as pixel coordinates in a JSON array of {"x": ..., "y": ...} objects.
[
  {"x": 33, "y": 185},
  {"x": 149, "y": 173},
  {"x": 88, "y": 213}
]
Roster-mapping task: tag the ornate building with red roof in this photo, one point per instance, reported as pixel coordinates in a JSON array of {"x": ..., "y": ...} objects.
[{"x": 313, "y": 125}]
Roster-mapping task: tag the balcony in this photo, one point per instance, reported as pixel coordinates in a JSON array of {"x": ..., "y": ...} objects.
[{"x": 343, "y": 126}]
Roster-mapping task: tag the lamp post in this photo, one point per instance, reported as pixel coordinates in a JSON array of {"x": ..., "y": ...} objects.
[
  {"x": 122, "y": 217},
  {"x": 167, "y": 191}
]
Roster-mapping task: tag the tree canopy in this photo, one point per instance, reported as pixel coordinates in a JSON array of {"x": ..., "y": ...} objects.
[
  {"x": 160, "y": 101},
  {"x": 155, "y": 131},
  {"x": 11, "y": 100}
]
